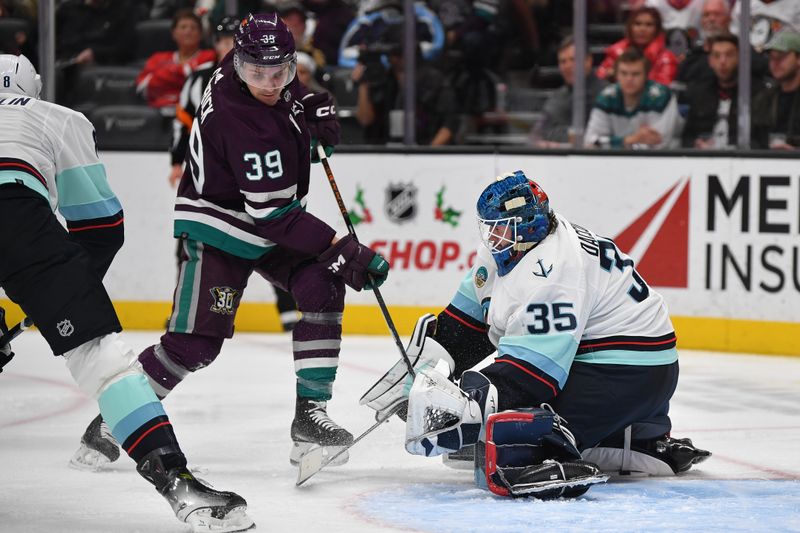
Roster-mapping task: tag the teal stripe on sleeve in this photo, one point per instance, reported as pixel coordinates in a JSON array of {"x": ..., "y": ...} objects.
[
  {"x": 83, "y": 185},
  {"x": 204, "y": 233},
  {"x": 551, "y": 353},
  {"x": 99, "y": 209},
  {"x": 630, "y": 357},
  {"x": 465, "y": 299},
  {"x": 15, "y": 176}
]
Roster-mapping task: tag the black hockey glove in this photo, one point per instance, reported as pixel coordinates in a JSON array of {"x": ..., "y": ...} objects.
[
  {"x": 320, "y": 111},
  {"x": 358, "y": 265}
]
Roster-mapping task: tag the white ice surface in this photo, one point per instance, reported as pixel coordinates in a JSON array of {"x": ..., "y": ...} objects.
[{"x": 233, "y": 423}]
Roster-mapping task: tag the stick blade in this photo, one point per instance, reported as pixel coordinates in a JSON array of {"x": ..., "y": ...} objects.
[{"x": 310, "y": 463}]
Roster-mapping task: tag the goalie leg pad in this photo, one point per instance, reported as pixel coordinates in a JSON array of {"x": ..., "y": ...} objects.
[{"x": 525, "y": 453}]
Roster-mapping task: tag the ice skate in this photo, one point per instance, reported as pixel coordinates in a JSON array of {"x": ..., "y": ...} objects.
[
  {"x": 679, "y": 454},
  {"x": 313, "y": 427},
  {"x": 463, "y": 459},
  {"x": 192, "y": 501},
  {"x": 98, "y": 447}
]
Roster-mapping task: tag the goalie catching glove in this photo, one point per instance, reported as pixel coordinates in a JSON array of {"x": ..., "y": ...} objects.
[
  {"x": 443, "y": 418},
  {"x": 423, "y": 352}
]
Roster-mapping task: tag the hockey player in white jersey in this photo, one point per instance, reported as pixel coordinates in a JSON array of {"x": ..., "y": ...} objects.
[
  {"x": 48, "y": 160},
  {"x": 585, "y": 367}
]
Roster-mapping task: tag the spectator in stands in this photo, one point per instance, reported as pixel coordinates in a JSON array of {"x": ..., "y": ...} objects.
[
  {"x": 776, "y": 109},
  {"x": 22, "y": 41},
  {"x": 306, "y": 70},
  {"x": 378, "y": 15},
  {"x": 380, "y": 96},
  {"x": 295, "y": 17},
  {"x": 634, "y": 112},
  {"x": 643, "y": 30},
  {"x": 162, "y": 78},
  {"x": 713, "y": 106},
  {"x": 89, "y": 32},
  {"x": 681, "y": 19},
  {"x": 768, "y": 17},
  {"x": 332, "y": 19},
  {"x": 715, "y": 20},
  {"x": 552, "y": 130},
  {"x": 472, "y": 52}
]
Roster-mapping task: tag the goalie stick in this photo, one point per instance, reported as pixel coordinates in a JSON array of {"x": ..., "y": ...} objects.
[
  {"x": 10, "y": 335},
  {"x": 314, "y": 459}
]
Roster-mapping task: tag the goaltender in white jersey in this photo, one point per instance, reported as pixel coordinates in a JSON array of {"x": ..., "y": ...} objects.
[{"x": 586, "y": 358}]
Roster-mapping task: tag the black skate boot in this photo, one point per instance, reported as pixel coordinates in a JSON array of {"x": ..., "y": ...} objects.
[
  {"x": 192, "y": 501},
  {"x": 679, "y": 454},
  {"x": 313, "y": 427},
  {"x": 98, "y": 447}
]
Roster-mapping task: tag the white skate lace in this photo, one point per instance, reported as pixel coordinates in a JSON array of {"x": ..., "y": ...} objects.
[
  {"x": 320, "y": 417},
  {"x": 105, "y": 433}
]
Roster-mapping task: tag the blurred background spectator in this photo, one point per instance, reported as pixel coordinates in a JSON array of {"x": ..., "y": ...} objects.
[
  {"x": 681, "y": 21},
  {"x": 553, "y": 128},
  {"x": 91, "y": 32},
  {"x": 332, "y": 17},
  {"x": 768, "y": 17},
  {"x": 19, "y": 33},
  {"x": 295, "y": 17},
  {"x": 634, "y": 112},
  {"x": 306, "y": 70},
  {"x": 376, "y": 17},
  {"x": 776, "y": 109},
  {"x": 713, "y": 102},
  {"x": 643, "y": 31},
  {"x": 380, "y": 98},
  {"x": 162, "y": 78}
]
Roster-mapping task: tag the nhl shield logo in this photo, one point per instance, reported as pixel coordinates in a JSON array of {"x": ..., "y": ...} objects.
[
  {"x": 65, "y": 328},
  {"x": 401, "y": 202}
]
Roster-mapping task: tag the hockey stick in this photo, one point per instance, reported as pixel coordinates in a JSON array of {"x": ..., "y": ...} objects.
[
  {"x": 314, "y": 460},
  {"x": 10, "y": 335},
  {"x": 350, "y": 229}
]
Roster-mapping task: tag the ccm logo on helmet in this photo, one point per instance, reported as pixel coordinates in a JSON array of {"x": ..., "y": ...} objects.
[{"x": 326, "y": 111}]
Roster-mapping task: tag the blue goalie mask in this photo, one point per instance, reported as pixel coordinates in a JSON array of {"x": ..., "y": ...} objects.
[{"x": 513, "y": 216}]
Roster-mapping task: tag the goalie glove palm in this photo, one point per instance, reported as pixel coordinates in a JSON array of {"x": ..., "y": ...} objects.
[{"x": 423, "y": 351}]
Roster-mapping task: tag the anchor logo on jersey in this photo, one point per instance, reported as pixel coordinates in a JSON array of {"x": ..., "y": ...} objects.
[{"x": 544, "y": 271}]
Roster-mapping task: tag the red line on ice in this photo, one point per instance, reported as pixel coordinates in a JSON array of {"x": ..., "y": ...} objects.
[{"x": 78, "y": 401}]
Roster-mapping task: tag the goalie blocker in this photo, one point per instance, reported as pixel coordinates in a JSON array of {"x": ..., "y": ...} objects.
[{"x": 519, "y": 453}]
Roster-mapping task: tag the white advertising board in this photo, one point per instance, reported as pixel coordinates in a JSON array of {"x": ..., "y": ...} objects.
[{"x": 717, "y": 236}]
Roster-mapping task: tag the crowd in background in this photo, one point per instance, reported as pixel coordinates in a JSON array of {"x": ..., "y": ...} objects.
[{"x": 659, "y": 73}]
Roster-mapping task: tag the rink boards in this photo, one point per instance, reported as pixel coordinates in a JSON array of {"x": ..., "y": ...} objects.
[{"x": 717, "y": 236}]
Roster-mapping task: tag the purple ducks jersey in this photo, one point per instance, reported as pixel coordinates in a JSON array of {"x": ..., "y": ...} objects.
[{"x": 245, "y": 186}]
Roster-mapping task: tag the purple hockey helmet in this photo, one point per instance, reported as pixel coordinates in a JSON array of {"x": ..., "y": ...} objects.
[{"x": 264, "y": 54}]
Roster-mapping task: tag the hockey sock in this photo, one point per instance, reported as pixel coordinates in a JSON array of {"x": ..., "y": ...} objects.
[{"x": 136, "y": 417}]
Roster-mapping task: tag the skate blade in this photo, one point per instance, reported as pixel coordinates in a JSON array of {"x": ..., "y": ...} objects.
[
  {"x": 202, "y": 521},
  {"x": 302, "y": 449},
  {"x": 88, "y": 459}
]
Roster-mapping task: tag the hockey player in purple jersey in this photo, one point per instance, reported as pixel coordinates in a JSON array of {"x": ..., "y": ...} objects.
[{"x": 241, "y": 208}]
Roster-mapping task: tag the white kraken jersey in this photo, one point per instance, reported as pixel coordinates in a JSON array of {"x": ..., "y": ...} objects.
[
  {"x": 51, "y": 149},
  {"x": 574, "y": 297}
]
